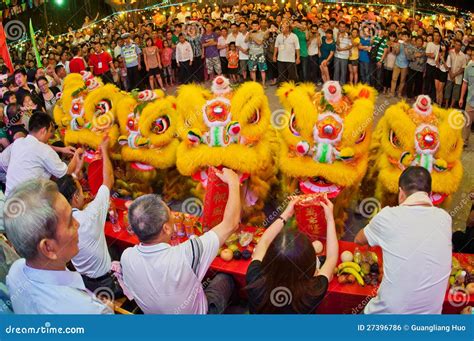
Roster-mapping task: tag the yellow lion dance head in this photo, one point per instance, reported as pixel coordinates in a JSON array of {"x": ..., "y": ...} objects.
[
  {"x": 148, "y": 122},
  {"x": 227, "y": 128},
  {"x": 87, "y": 112},
  {"x": 324, "y": 138},
  {"x": 422, "y": 135}
]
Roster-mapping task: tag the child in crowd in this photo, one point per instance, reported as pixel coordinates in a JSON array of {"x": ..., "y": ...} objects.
[
  {"x": 116, "y": 73},
  {"x": 14, "y": 123},
  {"x": 233, "y": 62},
  {"x": 166, "y": 54},
  {"x": 123, "y": 74}
]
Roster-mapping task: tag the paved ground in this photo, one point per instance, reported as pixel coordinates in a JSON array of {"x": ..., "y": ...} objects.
[{"x": 461, "y": 204}]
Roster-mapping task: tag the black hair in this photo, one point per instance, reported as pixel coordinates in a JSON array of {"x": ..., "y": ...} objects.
[
  {"x": 75, "y": 50},
  {"x": 42, "y": 78},
  {"x": 20, "y": 70},
  {"x": 7, "y": 95},
  {"x": 39, "y": 120},
  {"x": 58, "y": 67},
  {"x": 67, "y": 186},
  {"x": 415, "y": 179}
]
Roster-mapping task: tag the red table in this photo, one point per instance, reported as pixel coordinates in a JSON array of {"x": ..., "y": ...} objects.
[{"x": 340, "y": 299}]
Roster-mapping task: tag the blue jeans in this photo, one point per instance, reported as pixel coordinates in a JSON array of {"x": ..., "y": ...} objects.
[
  {"x": 340, "y": 70},
  {"x": 364, "y": 72}
]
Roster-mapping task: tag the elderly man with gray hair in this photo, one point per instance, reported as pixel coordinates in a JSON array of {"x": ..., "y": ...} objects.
[
  {"x": 40, "y": 225},
  {"x": 166, "y": 279}
]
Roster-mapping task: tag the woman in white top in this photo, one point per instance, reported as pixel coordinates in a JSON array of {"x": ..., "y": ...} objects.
[
  {"x": 389, "y": 62},
  {"x": 441, "y": 74}
]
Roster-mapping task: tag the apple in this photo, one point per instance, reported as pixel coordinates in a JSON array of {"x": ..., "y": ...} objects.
[{"x": 227, "y": 255}]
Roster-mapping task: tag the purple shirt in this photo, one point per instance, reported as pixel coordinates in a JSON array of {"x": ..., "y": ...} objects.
[{"x": 210, "y": 51}]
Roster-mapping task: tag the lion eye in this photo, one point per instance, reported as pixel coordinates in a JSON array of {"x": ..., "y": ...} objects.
[
  {"x": 160, "y": 125},
  {"x": 255, "y": 117},
  {"x": 394, "y": 139},
  {"x": 361, "y": 138},
  {"x": 292, "y": 125}
]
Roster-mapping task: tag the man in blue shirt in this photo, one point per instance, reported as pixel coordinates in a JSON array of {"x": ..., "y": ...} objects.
[
  {"x": 401, "y": 65},
  {"x": 131, "y": 55}
]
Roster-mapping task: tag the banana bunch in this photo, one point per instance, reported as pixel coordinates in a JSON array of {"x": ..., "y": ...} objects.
[{"x": 348, "y": 272}]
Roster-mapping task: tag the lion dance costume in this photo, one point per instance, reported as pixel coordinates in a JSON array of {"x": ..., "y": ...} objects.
[
  {"x": 228, "y": 128},
  {"x": 86, "y": 111},
  {"x": 419, "y": 135},
  {"x": 324, "y": 140},
  {"x": 148, "y": 123}
]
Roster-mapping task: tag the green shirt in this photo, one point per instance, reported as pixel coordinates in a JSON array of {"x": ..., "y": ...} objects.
[
  {"x": 469, "y": 79},
  {"x": 302, "y": 40},
  {"x": 382, "y": 47},
  {"x": 174, "y": 39}
]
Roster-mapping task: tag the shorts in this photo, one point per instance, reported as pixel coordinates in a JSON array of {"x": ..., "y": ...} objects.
[
  {"x": 154, "y": 72},
  {"x": 354, "y": 62},
  {"x": 233, "y": 71},
  {"x": 441, "y": 76},
  {"x": 213, "y": 65},
  {"x": 452, "y": 90},
  {"x": 243, "y": 65},
  {"x": 257, "y": 61}
]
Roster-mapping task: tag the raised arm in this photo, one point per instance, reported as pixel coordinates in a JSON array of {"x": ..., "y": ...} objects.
[
  {"x": 272, "y": 231},
  {"x": 108, "y": 171},
  {"x": 332, "y": 245},
  {"x": 231, "y": 219}
]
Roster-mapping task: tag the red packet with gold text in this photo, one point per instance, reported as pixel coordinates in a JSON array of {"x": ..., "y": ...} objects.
[
  {"x": 310, "y": 217},
  {"x": 215, "y": 200}
]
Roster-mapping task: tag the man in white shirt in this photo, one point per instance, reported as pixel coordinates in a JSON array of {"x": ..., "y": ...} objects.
[
  {"x": 40, "y": 225},
  {"x": 167, "y": 279},
  {"x": 32, "y": 158},
  {"x": 287, "y": 54},
  {"x": 432, "y": 50},
  {"x": 415, "y": 238},
  {"x": 183, "y": 14},
  {"x": 456, "y": 63},
  {"x": 184, "y": 59},
  {"x": 243, "y": 47},
  {"x": 222, "y": 47},
  {"x": 341, "y": 56},
  {"x": 93, "y": 261},
  {"x": 234, "y": 33}
]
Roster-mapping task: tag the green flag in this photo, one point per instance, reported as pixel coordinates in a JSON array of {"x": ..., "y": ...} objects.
[{"x": 33, "y": 43}]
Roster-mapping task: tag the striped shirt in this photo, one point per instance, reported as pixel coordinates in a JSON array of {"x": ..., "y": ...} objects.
[{"x": 382, "y": 46}]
